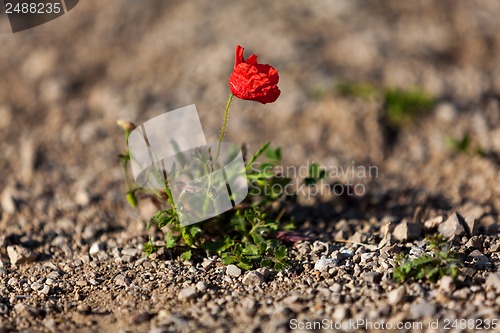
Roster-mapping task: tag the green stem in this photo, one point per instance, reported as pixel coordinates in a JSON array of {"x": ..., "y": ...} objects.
[{"x": 224, "y": 125}]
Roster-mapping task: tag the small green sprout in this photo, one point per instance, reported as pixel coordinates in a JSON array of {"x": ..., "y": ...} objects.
[{"x": 433, "y": 265}]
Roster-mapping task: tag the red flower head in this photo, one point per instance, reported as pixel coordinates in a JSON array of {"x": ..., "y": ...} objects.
[{"x": 252, "y": 81}]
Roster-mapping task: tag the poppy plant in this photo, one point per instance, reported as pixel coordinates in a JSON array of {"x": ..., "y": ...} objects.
[{"x": 250, "y": 81}]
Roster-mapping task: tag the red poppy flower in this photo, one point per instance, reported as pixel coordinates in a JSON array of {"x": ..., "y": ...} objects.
[{"x": 252, "y": 81}]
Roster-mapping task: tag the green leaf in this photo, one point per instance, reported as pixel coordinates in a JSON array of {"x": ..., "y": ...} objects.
[
  {"x": 170, "y": 241},
  {"x": 150, "y": 248},
  {"x": 187, "y": 236},
  {"x": 131, "y": 199},
  {"x": 246, "y": 266},
  {"x": 281, "y": 252},
  {"x": 257, "y": 154},
  {"x": 186, "y": 255},
  {"x": 227, "y": 258},
  {"x": 274, "y": 154}
]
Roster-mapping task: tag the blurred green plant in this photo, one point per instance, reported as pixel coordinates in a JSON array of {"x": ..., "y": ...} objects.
[
  {"x": 464, "y": 145},
  {"x": 433, "y": 265},
  {"x": 401, "y": 107},
  {"x": 350, "y": 89}
]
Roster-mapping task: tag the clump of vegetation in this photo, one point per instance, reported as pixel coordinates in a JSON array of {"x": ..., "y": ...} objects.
[
  {"x": 431, "y": 266},
  {"x": 401, "y": 106},
  {"x": 244, "y": 235},
  {"x": 356, "y": 89},
  {"x": 464, "y": 145}
]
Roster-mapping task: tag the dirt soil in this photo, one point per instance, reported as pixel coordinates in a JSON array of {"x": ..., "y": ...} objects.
[{"x": 63, "y": 85}]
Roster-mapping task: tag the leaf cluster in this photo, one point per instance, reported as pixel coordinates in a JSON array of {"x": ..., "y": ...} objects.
[
  {"x": 243, "y": 236},
  {"x": 439, "y": 261}
]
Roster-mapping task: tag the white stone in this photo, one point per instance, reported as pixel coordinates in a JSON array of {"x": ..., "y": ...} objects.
[{"x": 233, "y": 270}]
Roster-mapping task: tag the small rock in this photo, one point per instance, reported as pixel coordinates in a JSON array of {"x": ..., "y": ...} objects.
[
  {"x": 96, "y": 248},
  {"x": 347, "y": 253},
  {"x": 264, "y": 271},
  {"x": 233, "y": 270},
  {"x": 253, "y": 278},
  {"x": 131, "y": 252},
  {"x": 291, "y": 299},
  {"x": 122, "y": 280},
  {"x": 9, "y": 204},
  {"x": 323, "y": 263},
  {"x": 463, "y": 293},
  {"x": 407, "y": 231},
  {"x": 187, "y": 294},
  {"x": 82, "y": 283},
  {"x": 340, "y": 313},
  {"x": 367, "y": 256},
  {"x": 142, "y": 318},
  {"x": 433, "y": 223},
  {"x": 206, "y": 263},
  {"x": 422, "y": 310},
  {"x": 20, "y": 255},
  {"x": 45, "y": 290},
  {"x": 397, "y": 295},
  {"x": 447, "y": 284},
  {"x": 452, "y": 227},
  {"x": 84, "y": 308},
  {"x": 82, "y": 197},
  {"x": 201, "y": 286},
  {"x": 50, "y": 324},
  {"x": 3, "y": 308},
  {"x": 372, "y": 277},
  {"x": 493, "y": 282},
  {"x": 475, "y": 242},
  {"x": 479, "y": 260}
]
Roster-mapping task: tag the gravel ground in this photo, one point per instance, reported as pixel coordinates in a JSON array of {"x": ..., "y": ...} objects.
[{"x": 71, "y": 249}]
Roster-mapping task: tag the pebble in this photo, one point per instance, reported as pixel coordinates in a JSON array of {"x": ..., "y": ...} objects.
[
  {"x": 84, "y": 308},
  {"x": 372, "y": 277},
  {"x": 131, "y": 252},
  {"x": 406, "y": 231},
  {"x": 479, "y": 260},
  {"x": 397, "y": 295},
  {"x": 3, "y": 308},
  {"x": 422, "y": 310},
  {"x": 187, "y": 294},
  {"x": 8, "y": 202},
  {"x": 122, "y": 280},
  {"x": 367, "y": 256},
  {"x": 493, "y": 281},
  {"x": 253, "y": 278},
  {"x": 20, "y": 255},
  {"x": 452, "y": 227},
  {"x": 233, "y": 270},
  {"x": 323, "y": 263},
  {"x": 206, "y": 263},
  {"x": 96, "y": 248},
  {"x": 201, "y": 286},
  {"x": 447, "y": 284}
]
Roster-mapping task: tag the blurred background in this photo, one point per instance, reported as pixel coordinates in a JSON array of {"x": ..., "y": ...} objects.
[{"x": 410, "y": 87}]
